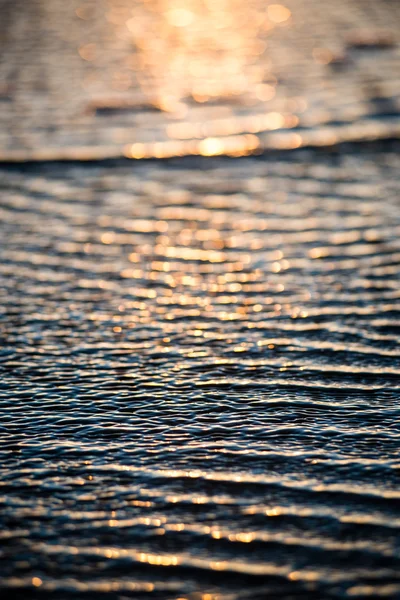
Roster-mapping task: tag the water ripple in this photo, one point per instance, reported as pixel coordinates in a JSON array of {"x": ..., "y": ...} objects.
[{"x": 200, "y": 378}]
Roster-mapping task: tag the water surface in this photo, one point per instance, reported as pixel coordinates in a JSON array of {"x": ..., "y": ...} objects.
[{"x": 199, "y": 363}]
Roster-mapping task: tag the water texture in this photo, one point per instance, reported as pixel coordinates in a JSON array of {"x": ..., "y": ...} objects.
[
  {"x": 199, "y": 359},
  {"x": 108, "y": 78},
  {"x": 200, "y": 377}
]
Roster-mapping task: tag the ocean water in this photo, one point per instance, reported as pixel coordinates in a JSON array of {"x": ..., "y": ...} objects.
[
  {"x": 199, "y": 392},
  {"x": 200, "y": 377},
  {"x": 94, "y": 79}
]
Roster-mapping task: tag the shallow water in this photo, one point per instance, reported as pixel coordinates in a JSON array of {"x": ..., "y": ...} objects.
[
  {"x": 200, "y": 377},
  {"x": 199, "y": 363},
  {"x": 88, "y": 79}
]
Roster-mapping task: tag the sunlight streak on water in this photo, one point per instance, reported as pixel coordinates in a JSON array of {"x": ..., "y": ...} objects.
[
  {"x": 161, "y": 78},
  {"x": 199, "y": 352}
]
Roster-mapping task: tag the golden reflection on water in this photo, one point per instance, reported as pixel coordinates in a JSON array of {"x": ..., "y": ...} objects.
[
  {"x": 203, "y": 49},
  {"x": 188, "y": 53},
  {"x": 203, "y": 258},
  {"x": 240, "y": 145}
]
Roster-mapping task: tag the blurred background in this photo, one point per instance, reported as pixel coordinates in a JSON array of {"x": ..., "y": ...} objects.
[{"x": 94, "y": 78}]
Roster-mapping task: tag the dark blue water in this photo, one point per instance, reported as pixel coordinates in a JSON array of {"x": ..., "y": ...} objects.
[
  {"x": 200, "y": 378},
  {"x": 199, "y": 359}
]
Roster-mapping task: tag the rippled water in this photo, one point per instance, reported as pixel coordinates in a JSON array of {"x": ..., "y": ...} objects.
[
  {"x": 199, "y": 364},
  {"x": 200, "y": 377},
  {"x": 106, "y": 78}
]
